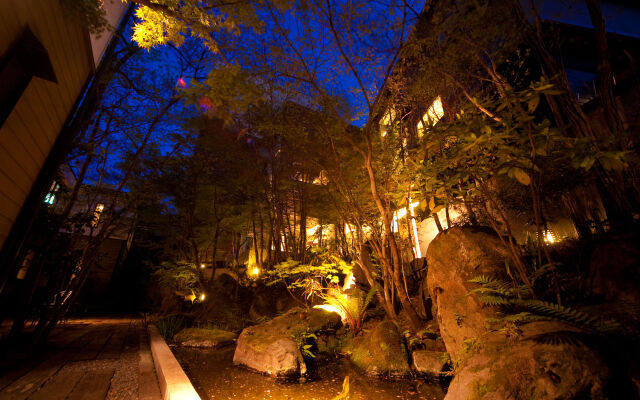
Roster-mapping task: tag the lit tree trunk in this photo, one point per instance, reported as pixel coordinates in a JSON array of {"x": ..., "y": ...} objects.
[
  {"x": 261, "y": 259},
  {"x": 436, "y": 220},
  {"x": 364, "y": 262},
  {"x": 255, "y": 239},
  {"x": 396, "y": 265},
  {"x": 303, "y": 226}
]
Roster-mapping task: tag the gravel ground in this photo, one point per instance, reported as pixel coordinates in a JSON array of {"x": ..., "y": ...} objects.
[{"x": 124, "y": 384}]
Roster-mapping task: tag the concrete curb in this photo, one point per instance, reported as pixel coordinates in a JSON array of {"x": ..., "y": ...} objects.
[{"x": 174, "y": 383}]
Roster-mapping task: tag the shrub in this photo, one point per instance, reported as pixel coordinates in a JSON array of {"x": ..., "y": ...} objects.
[{"x": 170, "y": 325}]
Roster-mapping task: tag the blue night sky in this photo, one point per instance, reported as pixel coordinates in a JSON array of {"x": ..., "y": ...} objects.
[
  {"x": 150, "y": 78},
  {"x": 165, "y": 71}
]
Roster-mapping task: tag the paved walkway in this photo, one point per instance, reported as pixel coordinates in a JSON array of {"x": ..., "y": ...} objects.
[{"x": 101, "y": 358}]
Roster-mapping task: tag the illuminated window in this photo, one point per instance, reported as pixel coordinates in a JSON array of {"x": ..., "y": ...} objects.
[
  {"x": 321, "y": 179},
  {"x": 97, "y": 213},
  {"x": 386, "y": 121},
  {"x": 401, "y": 213},
  {"x": 50, "y": 198},
  {"x": 434, "y": 113}
]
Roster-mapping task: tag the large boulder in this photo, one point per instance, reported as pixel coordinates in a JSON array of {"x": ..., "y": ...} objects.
[
  {"x": 429, "y": 363},
  {"x": 273, "y": 347},
  {"x": 548, "y": 362},
  {"x": 454, "y": 257},
  {"x": 381, "y": 352}
]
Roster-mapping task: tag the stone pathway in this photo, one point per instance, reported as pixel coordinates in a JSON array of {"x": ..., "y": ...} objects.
[{"x": 101, "y": 358}]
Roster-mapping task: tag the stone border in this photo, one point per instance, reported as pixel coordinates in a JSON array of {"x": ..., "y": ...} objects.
[{"x": 174, "y": 383}]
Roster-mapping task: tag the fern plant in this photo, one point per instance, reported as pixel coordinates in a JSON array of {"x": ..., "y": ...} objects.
[
  {"x": 352, "y": 306},
  {"x": 515, "y": 306}
]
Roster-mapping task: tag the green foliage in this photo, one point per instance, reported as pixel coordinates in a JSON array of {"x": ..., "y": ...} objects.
[
  {"x": 178, "y": 276},
  {"x": 306, "y": 340},
  {"x": 473, "y": 148},
  {"x": 415, "y": 343},
  {"x": 518, "y": 309},
  {"x": 352, "y": 304},
  {"x": 170, "y": 325},
  {"x": 324, "y": 268},
  {"x": 469, "y": 346},
  {"x": 171, "y": 21}
]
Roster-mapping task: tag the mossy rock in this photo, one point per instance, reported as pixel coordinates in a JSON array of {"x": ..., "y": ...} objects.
[
  {"x": 548, "y": 362},
  {"x": 202, "y": 337},
  {"x": 329, "y": 345},
  {"x": 381, "y": 352},
  {"x": 429, "y": 363},
  {"x": 273, "y": 347},
  {"x": 318, "y": 320},
  {"x": 456, "y": 256}
]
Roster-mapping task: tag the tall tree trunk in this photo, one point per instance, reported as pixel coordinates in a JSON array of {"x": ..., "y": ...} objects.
[
  {"x": 364, "y": 261},
  {"x": 396, "y": 265},
  {"x": 612, "y": 112},
  {"x": 566, "y": 108},
  {"x": 215, "y": 252},
  {"x": 255, "y": 239},
  {"x": 261, "y": 259},
  {"x": 436, "y": 220},
  {"x": 303, "y": 227}
]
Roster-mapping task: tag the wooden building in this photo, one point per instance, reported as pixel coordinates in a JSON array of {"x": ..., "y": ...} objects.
[{"x": 47, "y": 61}]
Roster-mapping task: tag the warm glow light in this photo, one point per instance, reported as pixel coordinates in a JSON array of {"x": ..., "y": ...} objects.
[
  {"x": 548, "y": 237},
  {"x": 436, "y": 111},
  {"x": 386, "y": 121},
  {"x": 331, "y": 308},
  {"x": 401, "y": 213},
  {"x": 97, "y": 213},
  {"x": 255, "y": 271},
  {"x": 433, "y": 114},
  {"x": 388, "y": 117},
  {"x": 348, "y": 229},
  {"x": 202, "y": 297},
  {"x": 415, "y": 230},
  {"x": 202, "y": 266},
  {"x": 177, "y": 392},
  {"x": 321, "y": 179},
  {"x": 349, "y": 281},
  {"x": 312, "y": 231}
]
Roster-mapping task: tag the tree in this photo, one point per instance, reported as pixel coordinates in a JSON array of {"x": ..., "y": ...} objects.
[
  {"x": 308, "y": 53},
  {"x": 134, "y": 108},
  {"x": 291, "y": 63}
]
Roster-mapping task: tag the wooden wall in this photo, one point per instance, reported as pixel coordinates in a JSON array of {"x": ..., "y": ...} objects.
[{"x": 27, "y": 136}]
